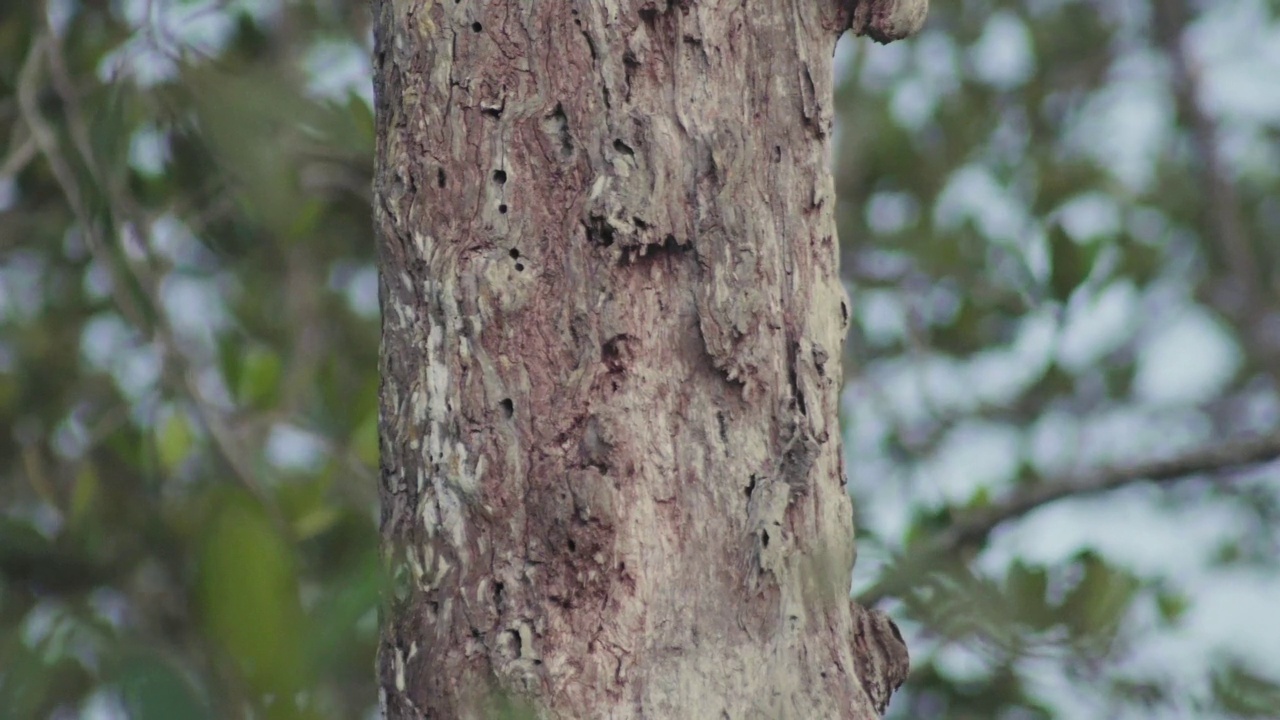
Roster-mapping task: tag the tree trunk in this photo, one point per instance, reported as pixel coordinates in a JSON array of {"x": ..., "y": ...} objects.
[{"x": 612, "y": 479}]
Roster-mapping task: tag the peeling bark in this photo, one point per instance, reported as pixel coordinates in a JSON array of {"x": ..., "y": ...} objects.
[{"x": 611, "y": 476}]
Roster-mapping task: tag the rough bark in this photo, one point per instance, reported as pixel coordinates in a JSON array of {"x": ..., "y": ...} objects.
[{"x": 612, "y": 480}]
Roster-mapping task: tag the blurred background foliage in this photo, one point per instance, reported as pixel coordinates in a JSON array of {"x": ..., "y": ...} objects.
[{"x": 1059, "y": 221}]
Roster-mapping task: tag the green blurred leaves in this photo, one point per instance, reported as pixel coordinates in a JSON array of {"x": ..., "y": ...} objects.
[
  {"x": 153, "y": 688},
  {"x": 248, "y": 591}
]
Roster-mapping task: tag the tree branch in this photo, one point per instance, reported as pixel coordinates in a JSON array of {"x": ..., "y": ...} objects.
[{"x": 973, "y": 527}]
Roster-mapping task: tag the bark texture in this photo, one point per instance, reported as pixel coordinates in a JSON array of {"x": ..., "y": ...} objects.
[{"x": 612, "y": 323}]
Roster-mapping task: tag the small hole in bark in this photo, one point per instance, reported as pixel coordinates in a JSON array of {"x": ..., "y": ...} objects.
[
  {"x": 519, "y": 267},
  {"x": 440, "y": 177},
  {"x": 500, "y": 176},
  {"x": 502, "y": 209},
  {"x": 623, "y": 148},
  {"x": 599, "y": 232},
  {"x": 515, "y": 640},
  {"x": 493, "y": 112},
  {"x": 497, "y": 593},
  {"x": 751, "y": 487},
  {"x": 844, "y": 312},
  {"x": 764, "y": 538},
  {"x": 476, "y": 27},
  {"x": 777, "y": 153},
  {"x": 508, "y": 407},
  {"x": 573, "y": 546},
  {"x": 515, "y": 254}
]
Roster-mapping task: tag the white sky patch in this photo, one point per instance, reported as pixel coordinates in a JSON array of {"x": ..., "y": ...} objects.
[
  {"x": 1233, "y": 611},
  {"x": 1146, "y": 224},
  {"x": 108, "y": 345},
  {"x": 194, "y": 306},
  {"x": 1099, "y": 324},
  {"x": 934, "y": 74},
  {"x": 149, "y": 150},
  {"x": 1003, "y": 57},
  {"x": 138, "y": 371},
  {"x": 293, "y": 448},
  {"x": 973, "y": 456},
  {"x": 973, "y": 193},
  {"x": 913, "y": 103},
  {"x": 891, "y": 212},
  {"x": 846, "y": 50},
  {"x": 167, "y": 31},
  {"x": 911, "y": 389},
  {"x": 102, "y": 340},
  {"x": 21, "y": 286},
  {"x": 1247, "y": 148},
  {"x": 362, "y": 292},
  {"x": 1130, "y": 527},
  {"x": 881, "y": 315},
  {"x": 97, "y": 281},
  {"x": 1236, "y": 48},
  {"x": 959, "y": 662},
  {"x": 359, "y": 285},
  {"x": 59, "y": 13},
  {"x": 997, "y": 376},
  {"x": 1126, "y": 125},
  {"x": 339, "y": 67},
  {"x": 884, "y": 68},
  {"x": 1191, "y": 359},
  {"x": 1090, "y": 216},
  {"x": 1053, "y": 442},
  {"x": 173, "y": 240},
  {"x": 1121, "y": 433}
]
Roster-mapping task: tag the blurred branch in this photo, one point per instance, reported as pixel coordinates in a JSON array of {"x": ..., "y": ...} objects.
[
  {"x": 1221, "y": 203},
  {"x": 972, "y": 528},
  {"x": 23, "y": 152},
  {"x": 149, "y": 319},
  {"x": 1239, "y": 290}
]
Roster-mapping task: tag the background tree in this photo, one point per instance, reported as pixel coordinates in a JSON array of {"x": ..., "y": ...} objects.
[{"x": 1058, "y": 231}]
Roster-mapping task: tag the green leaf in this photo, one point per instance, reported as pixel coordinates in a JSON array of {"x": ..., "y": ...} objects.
[
  {"x": 1097, "y": 604},
  {"x": 153, "y": 689},
  {"x": 1172, "y": 606},
  {"x": 365, "y": 440},
  {"x": 84, "y": 494},
  {"x": 1070, "y": 263},
  {"x": 1245, "y": 693},
  {"x": 260, "y": 373},
  {"x": 1028, "y": 587},
  {"x": 174, "y": 440},
  {"x": 248, "y": 590}
]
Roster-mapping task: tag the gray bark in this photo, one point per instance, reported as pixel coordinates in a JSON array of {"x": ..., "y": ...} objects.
[{"x": 612, "y": 323}]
